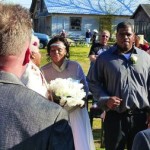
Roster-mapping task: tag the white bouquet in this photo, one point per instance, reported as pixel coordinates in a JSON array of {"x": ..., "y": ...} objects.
[{"x": 68, "y": 93}]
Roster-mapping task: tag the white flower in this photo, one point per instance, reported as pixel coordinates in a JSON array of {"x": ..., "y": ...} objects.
[
  {"x": 69, "y": 90},
  {"x": 134, "y": 59}
]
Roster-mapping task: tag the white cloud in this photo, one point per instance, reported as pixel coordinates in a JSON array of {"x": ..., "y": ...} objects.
[{"x": 25, "y": 3}]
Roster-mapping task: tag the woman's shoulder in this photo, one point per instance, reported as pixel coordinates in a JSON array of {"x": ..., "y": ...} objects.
[
  {"x": 74, "y": 65},
  {"x": 47, "y": 66},
  {"x": 72, "y": 62}
]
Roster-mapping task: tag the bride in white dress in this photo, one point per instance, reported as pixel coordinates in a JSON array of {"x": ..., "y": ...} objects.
[
  {"x": 61, "y": 67},
  {"x": 33, "y": 77}
]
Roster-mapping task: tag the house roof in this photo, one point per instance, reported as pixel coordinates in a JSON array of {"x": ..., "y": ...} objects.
[
  {"x": 145, "y": 7},
  {"x": 97, "y": 7}
]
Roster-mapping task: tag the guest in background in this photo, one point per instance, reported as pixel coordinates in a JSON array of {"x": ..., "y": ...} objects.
[
  {"x": 63, "y": 34},
  {"x": 94, "y": 36},
  {"x": 27, "y": 120},
  {"x": 61, "y": 67},
  {"x": 95, "y": 51},
  {"x": 88, "y": 36},
  {"x": 98, "y": 48},
  {"x": 141, "y": 43},
  {"x": 33, "y": 77}
]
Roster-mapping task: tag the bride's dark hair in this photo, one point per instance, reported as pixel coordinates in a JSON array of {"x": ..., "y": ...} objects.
[{"x": 57, "y": 39}]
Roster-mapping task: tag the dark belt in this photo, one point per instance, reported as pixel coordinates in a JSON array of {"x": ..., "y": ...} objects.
[
  {"x": 129, "y": 112},
  {"x": 135, "y": 111}
]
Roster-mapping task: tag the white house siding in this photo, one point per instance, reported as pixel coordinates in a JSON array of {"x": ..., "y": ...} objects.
[
  {"x": 60, "y": 22},
  {"x": 117, "y": 20},
  {"x": 54, "y": 23},
  {"x": 90, "y": 22}
]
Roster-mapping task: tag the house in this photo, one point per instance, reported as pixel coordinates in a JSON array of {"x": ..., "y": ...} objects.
[
  {"x": 141, "y": 18},
  {"x": 75, "y": 17}
]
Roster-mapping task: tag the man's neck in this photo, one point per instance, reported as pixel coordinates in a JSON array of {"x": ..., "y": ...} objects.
[
  {"x": 4, "y": 68},
  {"x": 11, "y": 64},
  {"x": 125, "y": 51}
]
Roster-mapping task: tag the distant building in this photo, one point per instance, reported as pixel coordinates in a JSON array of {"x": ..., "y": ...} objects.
[
  {"x": 141, "y": 18},
  {"x": 51, "y": 16}
]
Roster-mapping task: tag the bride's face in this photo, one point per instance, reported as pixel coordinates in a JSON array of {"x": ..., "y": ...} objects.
[{"x": 58, "y": 52}]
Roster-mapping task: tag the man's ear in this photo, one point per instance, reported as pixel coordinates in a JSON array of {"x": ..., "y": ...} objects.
[
  {"x": 27, "y": 57},
  {"x": 116, "y": 34}
]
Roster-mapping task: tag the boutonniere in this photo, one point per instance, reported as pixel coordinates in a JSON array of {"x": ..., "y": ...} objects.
[{"x": 134, "y": 59}]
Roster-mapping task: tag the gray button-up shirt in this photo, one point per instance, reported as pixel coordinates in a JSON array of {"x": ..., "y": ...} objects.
[{"x": 115, "y": 75}]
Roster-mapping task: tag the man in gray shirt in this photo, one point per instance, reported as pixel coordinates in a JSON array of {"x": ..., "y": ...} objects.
[{"x": 120, "y": 80}]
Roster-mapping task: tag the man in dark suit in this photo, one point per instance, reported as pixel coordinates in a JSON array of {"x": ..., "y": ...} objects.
[
  {"x": 27, "y": 120},
  {"x": 142, "y": 140}
]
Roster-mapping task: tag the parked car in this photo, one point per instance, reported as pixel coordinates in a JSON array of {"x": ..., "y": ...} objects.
[{"x": 44, "y": 39}]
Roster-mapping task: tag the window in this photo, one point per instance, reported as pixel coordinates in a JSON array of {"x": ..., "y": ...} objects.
[{"x": 75, "y": 23}]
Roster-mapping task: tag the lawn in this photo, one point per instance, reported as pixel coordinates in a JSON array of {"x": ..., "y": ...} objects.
[{"x": 80, "y": 54}]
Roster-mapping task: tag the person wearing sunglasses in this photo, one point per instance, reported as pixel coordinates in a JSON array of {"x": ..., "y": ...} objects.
[{"x": 98, "y": 48}]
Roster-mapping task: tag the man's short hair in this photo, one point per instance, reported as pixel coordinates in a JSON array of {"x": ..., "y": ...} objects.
[
  {"x": 15, "y": 29},
  {"x": 124, "y": 25},
  {"x": 105, "y": 31}
]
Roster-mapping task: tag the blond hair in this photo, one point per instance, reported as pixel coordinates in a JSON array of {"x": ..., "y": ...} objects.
[
  {"x": 15, "y": 29},
  {"x": 105, "y": 31}
]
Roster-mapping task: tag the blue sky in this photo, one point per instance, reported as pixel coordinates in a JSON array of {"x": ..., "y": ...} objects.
[{"x": 25, "y": 3}]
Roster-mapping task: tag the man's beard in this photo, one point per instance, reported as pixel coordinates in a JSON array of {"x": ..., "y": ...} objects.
[{"x": 124, "y": 49}]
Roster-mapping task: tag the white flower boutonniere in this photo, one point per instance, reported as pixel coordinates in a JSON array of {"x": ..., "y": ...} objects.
[{"x": 134, "y": 59}]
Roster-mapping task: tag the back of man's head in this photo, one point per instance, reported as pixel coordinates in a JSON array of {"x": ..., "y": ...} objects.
[{"x": 15, "y": 29}]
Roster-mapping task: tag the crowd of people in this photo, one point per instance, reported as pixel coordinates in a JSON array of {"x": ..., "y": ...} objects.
[{"x": 118, "y": 78}]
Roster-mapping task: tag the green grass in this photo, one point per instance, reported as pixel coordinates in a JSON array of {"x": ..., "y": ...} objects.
[{"x": 80, "y": 54}]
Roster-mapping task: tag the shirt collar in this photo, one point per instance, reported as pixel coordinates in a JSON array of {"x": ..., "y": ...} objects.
[
  {"x": 115, "y": 50},
  {"x": 6, "y": 77},
  {"x": 62, "y": 67}
]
